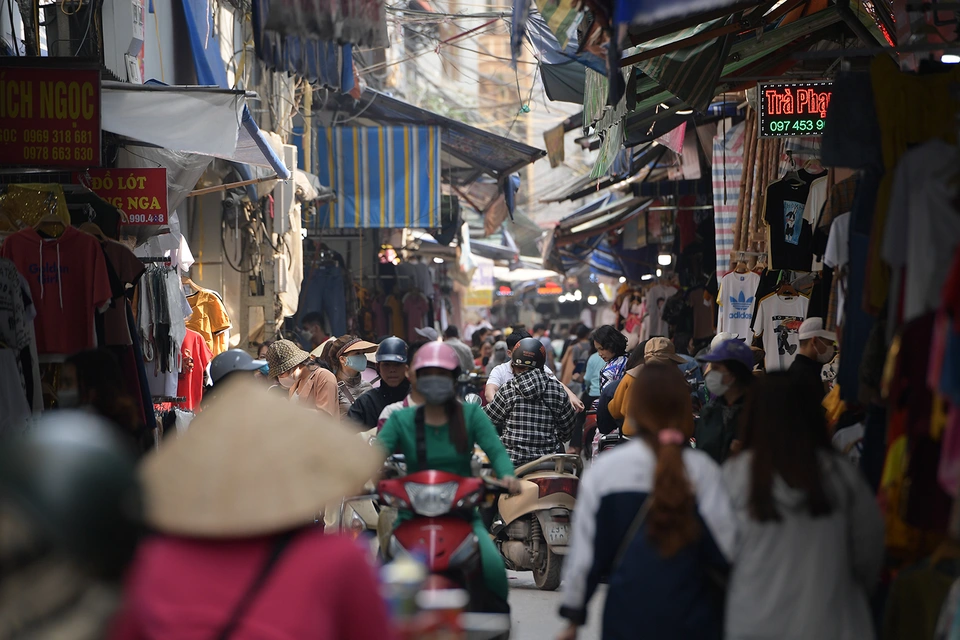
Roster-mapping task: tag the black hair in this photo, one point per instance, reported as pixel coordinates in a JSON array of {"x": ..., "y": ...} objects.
[
  {"x": 636, "y": 357},
  {"x": 583, "y": 331},
  {"x": 611, "y": 340},
  {"x": 314, "y": 317},
  {"x": 514, "y": 338},
  {"x": 787, "y": 433},
  {"x": 451, "y": 332},
  {"x": 740, "y": 372},
  {"x": 539, "y": 327}
]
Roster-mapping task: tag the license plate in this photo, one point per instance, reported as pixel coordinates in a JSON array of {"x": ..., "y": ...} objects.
[{"x": 557, "y": 534}]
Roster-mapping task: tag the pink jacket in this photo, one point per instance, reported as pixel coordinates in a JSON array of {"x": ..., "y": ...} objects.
[{"x": 322, "y": 587}]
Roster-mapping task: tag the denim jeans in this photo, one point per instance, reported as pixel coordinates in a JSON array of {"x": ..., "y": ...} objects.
[{"x": 324, "y": 293}]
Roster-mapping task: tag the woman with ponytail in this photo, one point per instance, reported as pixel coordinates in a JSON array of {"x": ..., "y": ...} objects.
[
  {"x": 653, "y": 518},
  {"x": 451, "y": 430}
]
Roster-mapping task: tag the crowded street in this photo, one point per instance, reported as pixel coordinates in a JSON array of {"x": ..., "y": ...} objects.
[{"x": 459, "y": 320}]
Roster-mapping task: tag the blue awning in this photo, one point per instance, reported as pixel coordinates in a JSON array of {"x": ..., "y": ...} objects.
[
  {"x": 252, "y": 145},
  {"x": 384, "y": 177}
]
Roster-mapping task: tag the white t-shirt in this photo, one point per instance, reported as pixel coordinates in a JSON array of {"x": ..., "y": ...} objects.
[
  {"x": 737, "y": 300},
  {"x": 656, "y": 297},
  {"x": 849, "y": 442},
  {"x": 503, "y": 373},
  {"x": 778, "y": 322},
  {"x": 814, "y": 207},
  {"x": 922, "y": 227},
  {"x": 837, "y": 256}
]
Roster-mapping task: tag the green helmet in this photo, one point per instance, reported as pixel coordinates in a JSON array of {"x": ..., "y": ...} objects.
[{"x": 76, "y": 480}]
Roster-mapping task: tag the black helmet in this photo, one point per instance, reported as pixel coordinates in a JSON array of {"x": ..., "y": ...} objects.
[
  {"x": 529, "y": 353},
  {"x": 392, "y": 350},
  {"x": 233, "y": 360},
  {"x": 73, "y": 476}
]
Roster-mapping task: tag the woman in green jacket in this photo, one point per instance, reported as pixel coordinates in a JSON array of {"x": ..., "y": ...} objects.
[{"x": 452, "y": 430}]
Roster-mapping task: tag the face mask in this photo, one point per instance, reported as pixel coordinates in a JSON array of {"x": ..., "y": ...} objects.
[
  {"x": 287, "y": 381},
  {"x": 357, "y": 362},
  {"x": 826, "y": 356},
  {"x": 436, "y": 389},
  {"x": 715, "y": 384},
  {"x": 265, "y": 370},
  {"x": 68, "y": 398}
]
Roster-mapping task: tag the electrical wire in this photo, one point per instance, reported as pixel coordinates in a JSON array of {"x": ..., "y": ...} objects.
[{"x": 91, "y": 9}]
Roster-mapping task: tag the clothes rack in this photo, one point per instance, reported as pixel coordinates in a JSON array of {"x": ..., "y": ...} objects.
[{"x": 166, "y": 399}]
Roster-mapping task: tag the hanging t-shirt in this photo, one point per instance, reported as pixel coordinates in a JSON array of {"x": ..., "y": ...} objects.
[
  {"x": 656, "y": 297},
  {"x": 736, "y": 299},
  {"x": 68, "y": 283},
  {"x": 208, "y": 319},
  {"x": 195, "y": 355},
  {"x": 816, "y": 199},
  {"x": 415, "y": 307},
  {"x": 127, "y": 269},
  {"x": 790, "y": 234},
  {"x": 778, "y": 322},
  {"x": 837, "y": 255}
]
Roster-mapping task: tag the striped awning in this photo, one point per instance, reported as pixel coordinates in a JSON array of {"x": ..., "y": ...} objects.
[{"x": 384, "y": 177}]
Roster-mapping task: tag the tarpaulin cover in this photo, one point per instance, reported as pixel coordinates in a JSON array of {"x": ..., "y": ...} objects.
[
  {"x": 319, "y": 61},
  {"x": 654, "y": 11},
  {"x": 361, "y": 22},
  {"x": 384, "y": 177}
]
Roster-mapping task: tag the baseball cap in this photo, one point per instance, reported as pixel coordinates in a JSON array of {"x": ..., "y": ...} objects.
[
  {"x": 661, "y": 349},
  {"x": 734, "y": 350},
  {"x": 813, "y": 328},
  {"x": 429, "y": 333},
  {"x": 723, "y": 336}
]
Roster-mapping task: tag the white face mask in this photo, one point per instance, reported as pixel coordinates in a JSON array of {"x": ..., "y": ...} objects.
[
  {"x": 715, "y": 384},
  {"x": 826, "y": 356},
  {"x": 287, "y": 381}
]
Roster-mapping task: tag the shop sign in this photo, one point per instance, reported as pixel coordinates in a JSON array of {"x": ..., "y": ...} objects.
[
  {"x": 793, "y": 109},
  {"x": 550, "y": 289},
  {"x": 480, "y": 293},
  {"x": 139, "y": 193},
  {"x": 49, "y": 116},
  {"x": 504, "y": 291}
]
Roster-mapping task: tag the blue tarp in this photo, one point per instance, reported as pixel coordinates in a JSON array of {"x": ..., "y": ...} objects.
[{"x": 205, "y": 46}]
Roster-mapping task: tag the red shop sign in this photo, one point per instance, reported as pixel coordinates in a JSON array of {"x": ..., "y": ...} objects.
[
  {"x": 139, "y": 193},
  {"x": 49, "y": 116}
]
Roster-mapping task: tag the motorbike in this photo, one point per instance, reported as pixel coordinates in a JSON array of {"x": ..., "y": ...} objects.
[
  {"x": 533, "y": 530},
  {"x": 441, "y": 529}
]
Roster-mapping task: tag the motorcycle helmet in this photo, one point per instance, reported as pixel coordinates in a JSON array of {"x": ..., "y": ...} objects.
[
  {"x": 530, "y": 353},
  {"x": 437, "y": 355},
  {"x": 232, "y": 361},
  {"x": 73, "y": 477},
  {"x": 392, "y": 350}
]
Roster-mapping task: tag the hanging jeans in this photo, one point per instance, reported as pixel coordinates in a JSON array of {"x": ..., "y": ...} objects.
[{"x": 324, "y": 294}]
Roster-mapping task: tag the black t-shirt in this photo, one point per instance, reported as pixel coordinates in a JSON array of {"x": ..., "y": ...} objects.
[
  {"x": 791, "y": 237},
  {"x": 808, "y": 374}
]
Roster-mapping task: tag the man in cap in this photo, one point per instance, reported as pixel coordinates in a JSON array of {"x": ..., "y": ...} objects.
[
  {"x": 451, "y": 335},
  {"x": 532, "y": 411},
  {"x": 232, "y": 364},
  {"x": 816, "y": 349},
  {"x": 392, "y": 359},
  {"x": 729, "y": 376}
]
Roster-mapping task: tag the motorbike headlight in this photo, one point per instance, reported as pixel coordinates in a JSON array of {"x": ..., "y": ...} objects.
[
  {"x": 357, "y": 526},
  {"x": 431, "y": 500}
]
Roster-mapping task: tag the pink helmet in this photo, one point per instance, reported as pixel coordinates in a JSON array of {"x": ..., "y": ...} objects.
[{"x": 436, "y": 354}]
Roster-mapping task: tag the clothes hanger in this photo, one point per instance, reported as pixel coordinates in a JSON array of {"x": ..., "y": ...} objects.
[
  {"x": 741, "y": 267},
  {"x": 51, "y": 219},
  {"x": 93, "y": 229},
  {"x": 185, "y": 280},
  {"x": 784, "y": 288},
  {"x": 793, "y": 176}
]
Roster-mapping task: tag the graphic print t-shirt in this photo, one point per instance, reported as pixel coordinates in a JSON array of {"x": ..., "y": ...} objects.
[
  {"x": 737, "y": 300},
  {"x": 791, "y": 236},
  {"x": 656, "y": 297},
  {"x": 68, "y": 283},
  {"x": 778, "y": 323}
]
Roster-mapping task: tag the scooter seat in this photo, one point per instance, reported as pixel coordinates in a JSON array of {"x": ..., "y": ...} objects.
[{"x": 559, "y": 462}]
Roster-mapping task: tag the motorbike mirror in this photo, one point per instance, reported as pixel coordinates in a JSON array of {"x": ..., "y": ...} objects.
[{"x": 472, "y": 398}]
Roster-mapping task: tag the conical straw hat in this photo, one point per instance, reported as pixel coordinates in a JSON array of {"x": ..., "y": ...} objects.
[{"x": 253, "y": 463}]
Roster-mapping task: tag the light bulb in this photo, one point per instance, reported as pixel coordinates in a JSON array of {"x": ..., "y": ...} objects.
[
  {"x": 648, "y": 276},
  {"x": 622, "y": 279},
  {"x": 950, "y": 58},
  {"x": 664, "y": 259},
  {"x": 578, "y": 295},
  {"x": 659, "y": 272},
  {"x": 591, "y": 300},
  {"x": 438, "y": 260}
]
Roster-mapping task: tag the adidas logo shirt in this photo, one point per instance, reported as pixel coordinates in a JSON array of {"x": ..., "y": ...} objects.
[{"x": 736, "y": 301}]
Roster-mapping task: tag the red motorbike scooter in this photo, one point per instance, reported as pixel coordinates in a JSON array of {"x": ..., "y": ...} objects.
[{"x": 442, "y": 529}]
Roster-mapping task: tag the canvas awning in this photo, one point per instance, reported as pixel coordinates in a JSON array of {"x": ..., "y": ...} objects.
[{"x": 203, "y": 120}]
